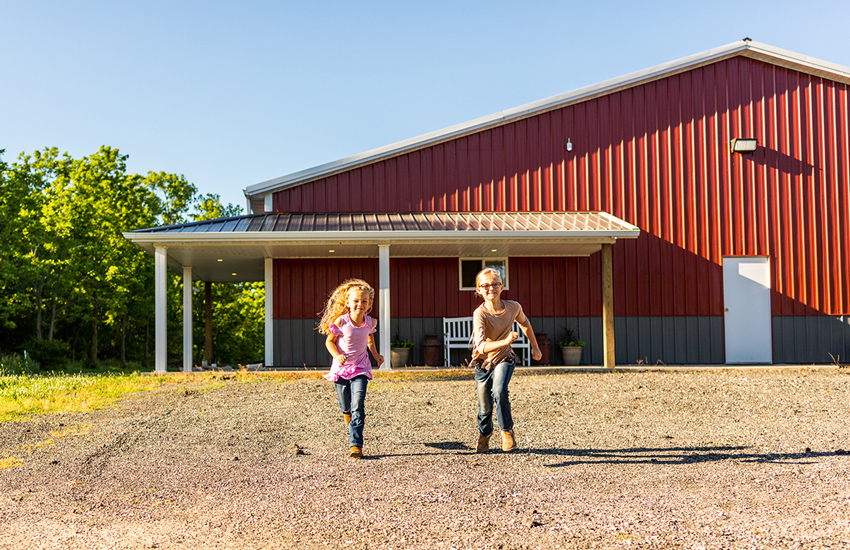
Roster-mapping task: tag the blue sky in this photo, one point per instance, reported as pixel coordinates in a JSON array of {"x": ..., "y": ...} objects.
[{"x": 231, "y": 94}]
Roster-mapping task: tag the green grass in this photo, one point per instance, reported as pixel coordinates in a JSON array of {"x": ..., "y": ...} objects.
[{"x": 25, "y": 395}]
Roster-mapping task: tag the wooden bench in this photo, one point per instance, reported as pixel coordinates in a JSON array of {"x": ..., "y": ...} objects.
[{"x": 457, "y": 334}]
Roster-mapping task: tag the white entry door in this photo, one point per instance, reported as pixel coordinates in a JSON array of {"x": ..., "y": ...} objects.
[{"x": 746, "y": 302}]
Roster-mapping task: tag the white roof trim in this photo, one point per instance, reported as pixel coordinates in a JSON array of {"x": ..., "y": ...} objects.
[
  {"x": 375, "y": 237},
  {"x": 752, "y": 49}
]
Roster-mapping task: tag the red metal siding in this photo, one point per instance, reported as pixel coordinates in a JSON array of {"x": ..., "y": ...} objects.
[
  {"x": 428, "y": 287},
  {"x": 656, "y": 155}
]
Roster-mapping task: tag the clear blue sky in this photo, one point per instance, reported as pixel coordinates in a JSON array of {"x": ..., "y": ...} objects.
[{"x": 231, "y": 94}]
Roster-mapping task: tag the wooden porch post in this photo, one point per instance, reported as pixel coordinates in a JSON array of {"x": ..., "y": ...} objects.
[{"x": 608, "y": 305}]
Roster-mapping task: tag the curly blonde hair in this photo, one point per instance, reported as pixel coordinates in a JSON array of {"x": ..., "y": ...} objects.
[{"x": 336, "y": 304}]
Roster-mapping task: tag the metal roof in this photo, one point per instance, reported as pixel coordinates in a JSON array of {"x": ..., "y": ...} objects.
[
  {"x": 233, "y": 249},
  {"x": 747, "y": 48}
]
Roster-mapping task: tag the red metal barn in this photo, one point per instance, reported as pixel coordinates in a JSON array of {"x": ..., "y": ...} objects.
[{"x": 734, "y": 164}]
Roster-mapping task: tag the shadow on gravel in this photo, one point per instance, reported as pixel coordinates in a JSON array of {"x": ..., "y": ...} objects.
[{"x": 675, "y": 455}]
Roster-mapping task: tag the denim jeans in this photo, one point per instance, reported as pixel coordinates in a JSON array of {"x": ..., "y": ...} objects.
[
  {"x": 352, "y": 400},
  {"x": 492, "y": 387}
]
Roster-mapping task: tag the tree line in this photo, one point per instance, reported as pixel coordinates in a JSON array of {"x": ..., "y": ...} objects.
[{"x": 72, "y": 289}]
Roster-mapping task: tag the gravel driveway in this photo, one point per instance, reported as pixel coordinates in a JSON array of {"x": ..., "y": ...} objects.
[{"x": 698, "y": 459}]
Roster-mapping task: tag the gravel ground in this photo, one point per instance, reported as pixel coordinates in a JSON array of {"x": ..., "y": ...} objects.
[{"x": 700, "y": 459}]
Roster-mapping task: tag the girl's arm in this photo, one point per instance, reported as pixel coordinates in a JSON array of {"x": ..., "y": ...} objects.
[
  {"x": 489, "y": 345},
  {"x": 378, "y": 357},
  {"x": 485, "y": 345},
  {"x": 536, "y": 354},
  {"x": 330, "y": 343}
]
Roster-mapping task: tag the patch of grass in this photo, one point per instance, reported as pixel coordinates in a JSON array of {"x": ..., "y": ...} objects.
[
  {"x": 12, "y": 461},
  {"x": 22, "y": 396}
]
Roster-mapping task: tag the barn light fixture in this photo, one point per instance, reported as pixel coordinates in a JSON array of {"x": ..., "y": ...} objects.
[
  {"x": 569, "y": 145},
  {"x": 744, "y": 145}
]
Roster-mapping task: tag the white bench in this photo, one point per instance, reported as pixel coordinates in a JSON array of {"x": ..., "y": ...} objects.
[{"x": 457, "y": 334}]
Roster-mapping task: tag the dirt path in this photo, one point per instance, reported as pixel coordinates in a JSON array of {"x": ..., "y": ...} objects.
[{"x": 745, "y": 459}]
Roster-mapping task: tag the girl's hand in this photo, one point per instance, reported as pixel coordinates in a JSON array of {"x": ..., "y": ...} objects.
[
  {"x": 341, "y": 359},
  {"x": 380, "y": 359},
  {"x": 536, "y": 354}
]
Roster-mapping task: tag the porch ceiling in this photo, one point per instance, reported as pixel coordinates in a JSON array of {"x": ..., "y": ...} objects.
[{"x": 233, "y": 249}]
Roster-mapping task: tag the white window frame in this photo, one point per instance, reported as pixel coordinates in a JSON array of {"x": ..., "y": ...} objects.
[{"x": 483, "y": 260}]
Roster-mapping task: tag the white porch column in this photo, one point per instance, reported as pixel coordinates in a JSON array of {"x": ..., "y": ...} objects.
[
  {"x": 384, "y": 308},
  {"x": 269, "y": 317},
  {"x": 160, "y": 324},
  {"x": 608, "y": 306},
  {"x": 187, "y": 318}
]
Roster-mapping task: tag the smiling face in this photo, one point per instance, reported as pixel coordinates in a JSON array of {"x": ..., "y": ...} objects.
[
  {"x": 489, "y": 285},
  {"x": 359, "y": 302}
]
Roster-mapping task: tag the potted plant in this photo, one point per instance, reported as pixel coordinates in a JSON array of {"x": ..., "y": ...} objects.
[
  {"x": 571, "y": 347},
  {"x": 400, "y": 351}
]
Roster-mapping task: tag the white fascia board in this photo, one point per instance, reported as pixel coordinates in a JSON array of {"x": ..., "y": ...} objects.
[
  {"x": 758, "y": 50},
  {"x": 373, "y": 237}
]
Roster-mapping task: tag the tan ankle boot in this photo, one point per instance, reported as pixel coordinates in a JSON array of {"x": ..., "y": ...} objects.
[
  {"x": 508, "y": 441},
  {"x": 347, "y": 419},
  {"x": 356, "y": 452},
  {"x": 483, "y": 444}
]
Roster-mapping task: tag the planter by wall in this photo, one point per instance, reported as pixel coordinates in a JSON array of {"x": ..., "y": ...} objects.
[
  {"x": 400, "y": 356},
  {"x": 571, "y": 355}
]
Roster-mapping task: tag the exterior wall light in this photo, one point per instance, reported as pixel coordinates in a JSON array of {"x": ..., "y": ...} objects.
[
  {"x": 569, "y": 145},
  {"x": 744, "y": 145}
]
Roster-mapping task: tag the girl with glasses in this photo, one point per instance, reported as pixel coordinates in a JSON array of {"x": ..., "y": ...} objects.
[{"x": 494, "y": 358}]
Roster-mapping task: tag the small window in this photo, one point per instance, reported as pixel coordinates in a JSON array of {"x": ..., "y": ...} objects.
[{"x": 469, "y": 268}]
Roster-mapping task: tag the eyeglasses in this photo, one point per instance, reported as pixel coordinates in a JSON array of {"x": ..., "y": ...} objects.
[{"x": 490, "y": 285}]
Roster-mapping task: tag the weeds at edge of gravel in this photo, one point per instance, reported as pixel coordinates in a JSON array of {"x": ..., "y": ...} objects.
[{"x": 12, "y": 460}]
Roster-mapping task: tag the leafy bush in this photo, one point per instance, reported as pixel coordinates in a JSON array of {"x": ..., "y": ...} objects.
[
  {"x": 52, "y": 355},
  {"x": 17, "y": 364}
]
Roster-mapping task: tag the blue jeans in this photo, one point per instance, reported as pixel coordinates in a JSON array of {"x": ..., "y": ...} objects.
[
  {"x": 492, "y": 387},
  {"x": 352, "y": 400}
]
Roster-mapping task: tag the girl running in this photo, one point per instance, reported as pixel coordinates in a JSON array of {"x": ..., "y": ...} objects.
[{"x": 349, "y": 331}]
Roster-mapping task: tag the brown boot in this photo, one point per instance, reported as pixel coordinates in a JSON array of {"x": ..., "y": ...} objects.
[
  {"x": 356, "y": 452},
  {"x": 347, "y": 419},
  {"x": 483, "y": 444},
  {"x": 508, "y": 441}
]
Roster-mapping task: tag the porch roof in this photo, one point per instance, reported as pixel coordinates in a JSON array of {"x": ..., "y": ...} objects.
[{"x": 233, "y": 249}]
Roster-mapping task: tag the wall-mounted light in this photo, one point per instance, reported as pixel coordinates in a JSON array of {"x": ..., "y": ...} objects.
[
  {"x": 331, "y": 250},
  {"x": 569, "y": 145},
  {"x": 744, "y": 145}
]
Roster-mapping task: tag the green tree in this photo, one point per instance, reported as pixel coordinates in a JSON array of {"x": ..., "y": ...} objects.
[
  {"x": 67, "y": 273},
  {"x": 209, "y": 207}
]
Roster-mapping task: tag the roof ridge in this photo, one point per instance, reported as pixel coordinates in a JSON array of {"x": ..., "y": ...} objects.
[{"x": 745, "y": 47}]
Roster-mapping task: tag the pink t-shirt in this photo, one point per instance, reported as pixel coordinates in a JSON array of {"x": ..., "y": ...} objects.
[{"x": 353, "y": 342}]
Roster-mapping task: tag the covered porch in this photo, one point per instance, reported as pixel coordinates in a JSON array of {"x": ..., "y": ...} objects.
[{"x": 242, "y": 249}]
